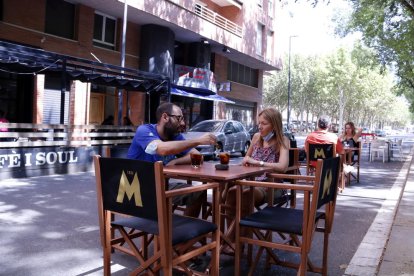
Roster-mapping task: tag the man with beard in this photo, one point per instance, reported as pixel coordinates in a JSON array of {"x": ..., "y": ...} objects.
[{"x": 163, "y": 142}]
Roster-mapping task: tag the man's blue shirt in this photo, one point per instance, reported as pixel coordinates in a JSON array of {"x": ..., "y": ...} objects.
[{"x": 144, "y": 135}]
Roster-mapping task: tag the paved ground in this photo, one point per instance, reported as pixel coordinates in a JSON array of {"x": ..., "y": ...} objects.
[{"x": 49, "y": 226}]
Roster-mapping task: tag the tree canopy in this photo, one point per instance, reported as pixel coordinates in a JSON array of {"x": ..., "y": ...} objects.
[
  {"x": 348, "y": 85},
  {"x": 388, "y": 27}
]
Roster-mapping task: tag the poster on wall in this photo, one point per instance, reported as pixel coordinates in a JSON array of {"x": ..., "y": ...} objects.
[{"x": 191, "y": 77}]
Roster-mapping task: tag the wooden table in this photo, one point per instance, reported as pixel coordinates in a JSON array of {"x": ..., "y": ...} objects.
[{"x": 208, "y": 173}]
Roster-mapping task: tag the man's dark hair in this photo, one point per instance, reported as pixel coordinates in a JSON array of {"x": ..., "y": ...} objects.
[{"x": 163, "y": 108}]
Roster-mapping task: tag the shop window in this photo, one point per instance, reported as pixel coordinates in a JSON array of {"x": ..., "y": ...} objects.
[
  {"x": 104, "y": 31},
  {"x": 242, "y": 74},
  {"x": 60, "y": 17}
]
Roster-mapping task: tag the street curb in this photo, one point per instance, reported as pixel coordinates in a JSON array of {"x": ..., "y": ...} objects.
[{"x": 369, "y": 255}]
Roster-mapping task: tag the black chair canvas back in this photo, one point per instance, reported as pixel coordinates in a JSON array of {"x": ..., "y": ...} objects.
[
  {"x": 320, "y": 151},
  {"x": 329, "y": 181},
  {"x": 128, "y": 186}
]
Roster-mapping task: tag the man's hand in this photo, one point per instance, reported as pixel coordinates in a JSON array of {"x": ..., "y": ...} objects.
[{"x": 207, "y": 139}]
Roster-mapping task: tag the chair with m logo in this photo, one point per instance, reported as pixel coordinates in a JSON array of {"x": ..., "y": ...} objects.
[
  {"x": 318, "y": 151},
  {"x": 136, "y": 190},
  {"x": 299, "y": 224}
]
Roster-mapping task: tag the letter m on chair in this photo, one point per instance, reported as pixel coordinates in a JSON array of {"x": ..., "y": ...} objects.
[{"x": 318, "y": 151}]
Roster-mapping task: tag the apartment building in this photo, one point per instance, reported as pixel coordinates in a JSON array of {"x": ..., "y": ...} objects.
[{"x": 82, "y": 63}]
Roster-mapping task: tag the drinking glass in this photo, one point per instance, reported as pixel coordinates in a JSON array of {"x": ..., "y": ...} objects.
[
  {"x": 196, "y": 160},
  {"x": 224, "y": 158}
]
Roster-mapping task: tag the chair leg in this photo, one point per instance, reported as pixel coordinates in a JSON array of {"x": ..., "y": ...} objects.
[{"x": 325, "y": 254}]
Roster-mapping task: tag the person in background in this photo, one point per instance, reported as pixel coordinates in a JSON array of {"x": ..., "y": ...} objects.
[
  {"x": 323, "y": 136},
  {"x": 109, "y": 121},
  {"x": 350, "y": 138},
  {"x": 127, "y": 121},
  {"x": 163, "y": 142},
  {"x": 3, "y": 120},
  {"x": 269, "y": 148}
]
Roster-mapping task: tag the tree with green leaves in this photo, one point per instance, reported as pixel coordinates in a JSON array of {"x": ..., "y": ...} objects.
[{"x": 388, "y": 27}]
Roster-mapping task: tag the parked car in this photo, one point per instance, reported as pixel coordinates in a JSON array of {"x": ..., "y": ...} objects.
[
  {"x": 231, "y": 136},
  {"x": 286, "y": 132},
  {"x": 380, "y": 133}
]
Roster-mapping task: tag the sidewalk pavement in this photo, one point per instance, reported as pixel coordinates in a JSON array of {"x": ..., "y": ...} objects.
[
  {"x": 398, "y": 258},
  {"x": 49, "y": 226},
  {"x": 388, "y": 246}
]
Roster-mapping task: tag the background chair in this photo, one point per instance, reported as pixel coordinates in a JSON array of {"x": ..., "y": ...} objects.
[
  {"x": 397, "y": 147},
  {"x": 378, "y": 147},
  {"x": 320, "y": 191},
  {"x": 294, "y": 168},
  {"x": 136, "y": 189},
  {"x": 356, "y": 162}
]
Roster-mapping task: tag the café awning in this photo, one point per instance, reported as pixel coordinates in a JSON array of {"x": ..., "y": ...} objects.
[
  {"x": 19, "y": 59},
  {"x": 215, "y": 97}
]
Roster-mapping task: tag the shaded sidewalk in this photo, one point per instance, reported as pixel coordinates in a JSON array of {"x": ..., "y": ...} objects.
[
  {"x": 388, "y": 246},
  {"x": 49, "y": 225}
]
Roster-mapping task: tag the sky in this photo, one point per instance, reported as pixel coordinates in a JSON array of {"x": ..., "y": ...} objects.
[{"x": 313, "y": 27}]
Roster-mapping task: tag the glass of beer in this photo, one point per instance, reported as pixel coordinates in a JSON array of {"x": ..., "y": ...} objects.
[
  {"x": 224, "y": 158},
  {"x": 196, "y": 160}
]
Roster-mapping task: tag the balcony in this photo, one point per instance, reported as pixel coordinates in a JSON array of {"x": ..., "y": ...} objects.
[{"x": 218, "y": 20}]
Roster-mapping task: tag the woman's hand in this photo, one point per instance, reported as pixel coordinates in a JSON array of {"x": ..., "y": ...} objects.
[{"x": 248, "y": 161}]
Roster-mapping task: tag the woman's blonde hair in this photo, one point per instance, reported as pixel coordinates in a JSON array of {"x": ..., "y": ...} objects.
[{"x": 275, "y": 118}]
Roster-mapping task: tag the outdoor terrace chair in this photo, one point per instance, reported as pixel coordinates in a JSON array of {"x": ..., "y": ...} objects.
[
  {"x": 397, "y": 147},
  {"x": 299, "y": 224},
  {"x": 136, "y": 189},
  {"x": 318, "y": 151},
  {"x": 378, "y": 147},
  {"x": 293, "y": 168},
  {"x": 356, "y": 163}
]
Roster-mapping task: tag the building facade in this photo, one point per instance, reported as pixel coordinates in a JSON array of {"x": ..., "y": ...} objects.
[{"x": 214, "y": 53}]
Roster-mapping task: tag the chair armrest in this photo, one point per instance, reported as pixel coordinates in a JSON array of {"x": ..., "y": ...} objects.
[
  {"x": 291, "y": 176},
  {"x": 292, "y": 168},
  {"x": 274, "y": 185},
  {"x": 192, "y": 189}
]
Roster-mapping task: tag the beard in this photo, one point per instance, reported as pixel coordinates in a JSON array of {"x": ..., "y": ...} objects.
[{"x": 171, "y": 130}]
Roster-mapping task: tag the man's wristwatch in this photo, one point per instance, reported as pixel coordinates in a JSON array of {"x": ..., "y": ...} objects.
[{"x": 261, "y": 163}]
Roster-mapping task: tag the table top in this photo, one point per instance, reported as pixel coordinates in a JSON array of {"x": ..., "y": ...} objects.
[
  {"x": 348, "y": 149},
  {"x": 208, "y": 172}
]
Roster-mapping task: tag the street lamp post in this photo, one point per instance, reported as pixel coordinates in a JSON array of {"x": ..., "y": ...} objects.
[{"x": 289, "y": 85}]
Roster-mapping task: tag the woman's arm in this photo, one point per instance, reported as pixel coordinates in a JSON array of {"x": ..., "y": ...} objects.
[
  {"x": 358, "y": 134},
  {"x": 248, "y": 155}
]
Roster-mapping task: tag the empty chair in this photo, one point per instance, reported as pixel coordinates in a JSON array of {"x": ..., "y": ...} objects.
[
  {"x": 136, "y": 189},
  {"x": 398, "y": 148},
  {"x": 299, "y": 224},
  {"x": 378, "y": 147}
]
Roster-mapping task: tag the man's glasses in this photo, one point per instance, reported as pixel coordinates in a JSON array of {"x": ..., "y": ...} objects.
[{"x": 179, "y": 118}]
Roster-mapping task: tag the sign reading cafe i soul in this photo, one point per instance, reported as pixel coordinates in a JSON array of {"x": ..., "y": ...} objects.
[{"x": 26, "y": 162}]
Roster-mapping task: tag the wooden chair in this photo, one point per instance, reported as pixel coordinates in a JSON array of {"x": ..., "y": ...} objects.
[
  {"x": 137, "y": 189},
  {"x": 294, "y": 168},
  {"x": 316, "y": 214},
  {"x": 356, "y": 163},
  {"x": 318, "y": 151}
]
